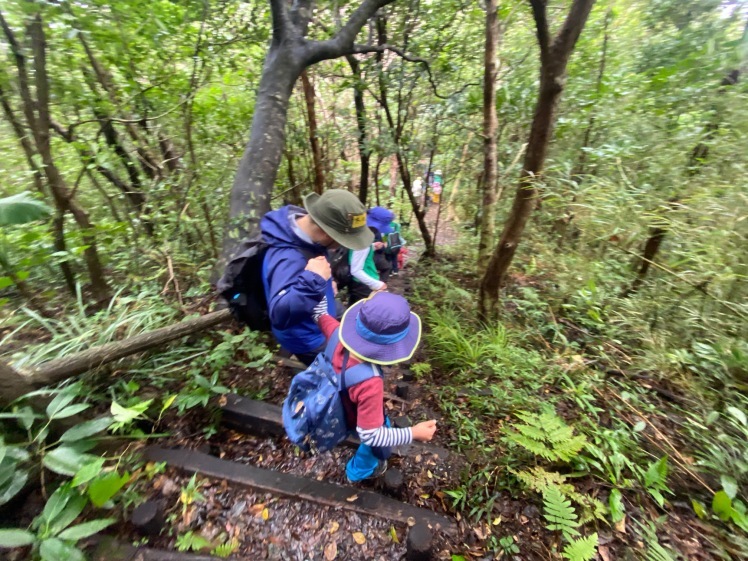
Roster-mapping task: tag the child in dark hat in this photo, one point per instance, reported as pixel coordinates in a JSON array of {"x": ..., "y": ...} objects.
[{"x": 379, "y": 331}]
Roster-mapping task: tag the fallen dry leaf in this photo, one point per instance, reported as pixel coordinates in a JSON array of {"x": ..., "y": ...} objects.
[
  {"x": 359, "y": 538},
  {"x": 603, "y": 552},
  {"x": 331, "y": 551},
  {"x": 334, "y": 526},
  {"x": 265, "y": 514},
  {"x": 352, "y": 498},
  {"x": 620, "y": 526},
  {"x": 412, "y": 521}
]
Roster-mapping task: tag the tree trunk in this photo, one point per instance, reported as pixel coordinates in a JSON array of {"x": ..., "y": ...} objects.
[
  {"x": 14, "y": 384},
  {"x": 23, "y": 139},
  {"x": 363, "y": 150},
  {"x": 490, "y": 133},
  {"x": 319, "y": 175},
  {"x": 696, "y": 161},
  {"x": 289, "y": 54},
  {"x": 250, "y": 193},
  {"x": 60, "y": 192},
  {"x": 554, "y": 56},
  {"x": 456, "y": 186},
  {"x": 59, "y": 235}
]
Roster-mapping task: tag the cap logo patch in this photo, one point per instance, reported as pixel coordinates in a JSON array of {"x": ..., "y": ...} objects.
[{"x": 357, "y": 220}]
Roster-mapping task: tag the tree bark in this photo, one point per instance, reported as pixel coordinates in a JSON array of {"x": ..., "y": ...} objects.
[
  {"x": 23, "y": 140},
  {"x": 319, "y": 175},
  {"x": 289, "y": 54},
  {"x": 696, "y": 161},
  {"x": 554, "y": 56},
  {"x": 363, "y": 151},
  {"x": 60, "y": 192},
  {"x": 490, "y": 134},
  {"x": 458, "y": 176},
  {"x": 14, "y": 384}
]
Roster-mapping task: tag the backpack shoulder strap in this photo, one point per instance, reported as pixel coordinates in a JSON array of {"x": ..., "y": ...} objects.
[
  {"x": 332, "y": 344},
  {"x": 359, "y": 373}
]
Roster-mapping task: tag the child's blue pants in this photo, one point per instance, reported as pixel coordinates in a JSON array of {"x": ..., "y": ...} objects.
[{"x": 365, "y": 461}]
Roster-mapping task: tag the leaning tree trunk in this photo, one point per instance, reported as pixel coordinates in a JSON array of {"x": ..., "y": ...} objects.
[
  {"x": 252, "y": 188},
  {"x": 490, "y": 133},
  {"x": 554, "y": 56},
  {"x": 289, "y": 54}
]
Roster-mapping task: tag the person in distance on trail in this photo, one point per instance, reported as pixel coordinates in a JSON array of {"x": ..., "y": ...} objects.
[
  {"x": 296, "y": 272},
  {"x": 379, "y": 331}
]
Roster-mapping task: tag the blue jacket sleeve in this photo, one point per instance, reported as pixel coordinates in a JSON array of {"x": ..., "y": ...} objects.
[{"x": 292, "y": 292}]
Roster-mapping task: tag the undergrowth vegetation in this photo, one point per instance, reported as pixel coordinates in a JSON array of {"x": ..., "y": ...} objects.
[{"x": 610, "y": 428}]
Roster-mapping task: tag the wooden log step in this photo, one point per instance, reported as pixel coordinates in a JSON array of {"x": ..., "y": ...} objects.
[
  {"x": 294, "y": 486},
  {"x": 250, "y": 416}
]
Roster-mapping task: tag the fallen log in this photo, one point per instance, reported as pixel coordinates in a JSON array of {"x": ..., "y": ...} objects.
[{"x": 15, "y": 383}]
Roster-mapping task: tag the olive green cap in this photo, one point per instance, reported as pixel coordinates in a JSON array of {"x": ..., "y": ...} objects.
[{"x": 342, "y": 216}]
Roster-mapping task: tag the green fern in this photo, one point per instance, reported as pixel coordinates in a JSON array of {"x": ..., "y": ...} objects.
[
  {"x": 583, "y": 549},
  {"x": 559, "y": 513},
  {"x": 546, "y": 435},
  {"x": 226, "y": 549},
  {"x": 538, "y": 480}
]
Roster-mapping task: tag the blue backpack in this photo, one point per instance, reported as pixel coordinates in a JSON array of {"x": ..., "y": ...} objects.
[{"x": 313, "y": 413}]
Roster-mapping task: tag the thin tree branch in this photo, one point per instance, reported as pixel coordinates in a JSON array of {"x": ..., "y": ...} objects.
[
  {"x": 343, "y": 42},
  {"x": 364, "y": 49}
]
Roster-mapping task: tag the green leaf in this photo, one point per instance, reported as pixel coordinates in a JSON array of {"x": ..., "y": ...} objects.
[
  {"x": 5, "y": 282},
  {"x": 656, "y": 474},
  {"x": 738, "y": 414},
  {"x": 88, "y": 472},
  {"x": 729, "y": 485},
  {"x": 126, "y": 415},
  {"x": 84, "y": 430},
  {"x": 617, "y": 508},
  {"x": 56, "y": 503},
  {"x": 722, "y": 505},
  {"x": 68, "y": 516},
  {"x": 583, "y": 549},
  {"x": 70, "y": 411},
  {"x": 104, "y": 488},
  {"x": 14, "y": 487},
  {"x": 66, "y": 460},
  {"x": 458, "y": 557},
  {"x": 60, "y": 401},
  {"x": 15, "y": 538},
  {"x": 699, "y": 509},
  {"x": 20, "y": 209},
  {"x": 86, "y": 529},
  {"x": 57, "y": 550}
]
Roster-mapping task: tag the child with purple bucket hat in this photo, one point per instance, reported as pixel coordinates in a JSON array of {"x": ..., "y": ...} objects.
[{"x": 379, "y": 331}]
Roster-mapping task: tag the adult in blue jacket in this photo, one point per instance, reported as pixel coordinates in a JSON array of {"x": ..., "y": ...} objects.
[{"x": 296, "y": 272}]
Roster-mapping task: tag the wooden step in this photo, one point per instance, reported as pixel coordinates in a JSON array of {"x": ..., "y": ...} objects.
[
  {"x": 294, "y": 486},
  {"x": 264, "y": 419}
]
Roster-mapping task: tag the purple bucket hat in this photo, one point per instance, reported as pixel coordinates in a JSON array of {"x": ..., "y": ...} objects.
[
  {"x": 381, "y": 329},
  {"x": 380, "y": 218}
]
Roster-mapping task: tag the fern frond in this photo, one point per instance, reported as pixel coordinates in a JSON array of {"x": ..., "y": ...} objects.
[
  {"x": 546, "y": 435},
  {"x": 559, "y": 513},
  {"x": 537, "y": 448},
  {"x": 583, "y": 549},
  {"x": 568, "y": 449},
  {"x": 538, "y": 479}
]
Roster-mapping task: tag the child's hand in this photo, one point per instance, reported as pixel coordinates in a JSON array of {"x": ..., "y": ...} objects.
[{"x": 424, "y": 431}]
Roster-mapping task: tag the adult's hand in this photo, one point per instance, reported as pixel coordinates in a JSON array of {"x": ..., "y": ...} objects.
[{"x": 320, "y": 266}]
